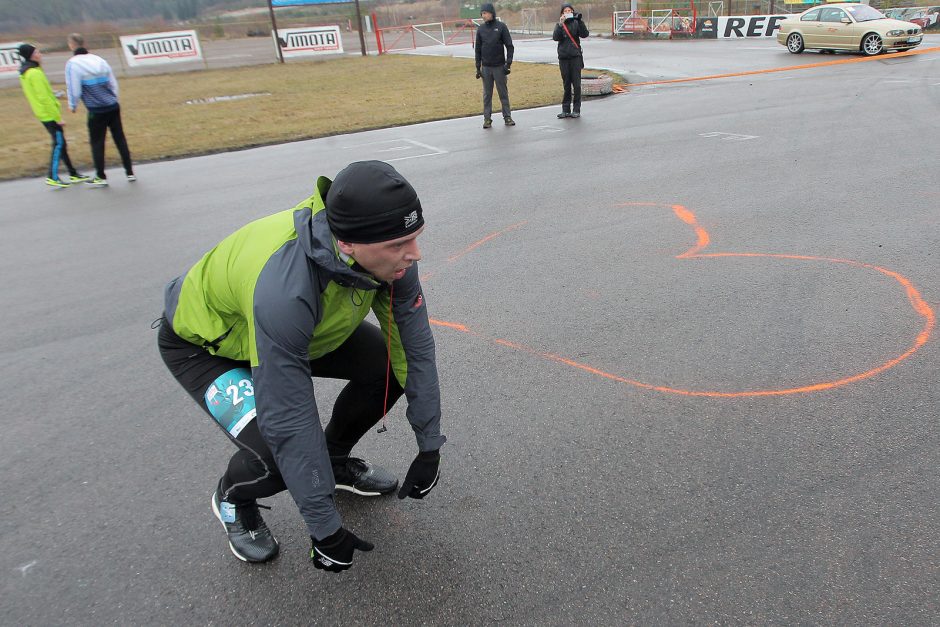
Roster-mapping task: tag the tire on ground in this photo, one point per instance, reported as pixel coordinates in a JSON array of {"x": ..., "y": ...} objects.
[{"x": 596, "y": 85}]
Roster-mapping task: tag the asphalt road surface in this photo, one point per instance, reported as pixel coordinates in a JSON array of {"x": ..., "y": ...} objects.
[{"x": 638, "y": 432}]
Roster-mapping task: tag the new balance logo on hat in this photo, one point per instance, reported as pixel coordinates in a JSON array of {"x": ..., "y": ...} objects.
[{"x": 411, "y": 218}]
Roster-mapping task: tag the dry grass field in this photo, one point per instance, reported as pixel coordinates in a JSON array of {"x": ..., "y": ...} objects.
[{"x": 295, "y": 101}]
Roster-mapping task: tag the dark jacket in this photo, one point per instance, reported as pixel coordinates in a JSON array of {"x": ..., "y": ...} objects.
[
  {"x": 566, "y": 49},
  {"x": 492, "y": 38}
]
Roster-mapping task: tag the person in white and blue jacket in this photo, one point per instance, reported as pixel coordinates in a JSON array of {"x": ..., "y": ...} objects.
[{"x": 89, "y": 78}]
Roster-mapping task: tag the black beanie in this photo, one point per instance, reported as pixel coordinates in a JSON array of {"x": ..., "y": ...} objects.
[
  {"x": 369, "y": 201},
  {"x": 26, "y": 51},
  {"x": 566, "y": 6}
]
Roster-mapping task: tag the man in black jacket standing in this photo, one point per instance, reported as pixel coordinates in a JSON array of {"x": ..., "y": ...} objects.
[
  {"x": 568, "y": 33},
  {"x": 493, "y": 57}
]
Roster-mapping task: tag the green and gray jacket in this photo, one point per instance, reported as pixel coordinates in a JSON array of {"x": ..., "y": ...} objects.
[{"x": 277, "y": 293}]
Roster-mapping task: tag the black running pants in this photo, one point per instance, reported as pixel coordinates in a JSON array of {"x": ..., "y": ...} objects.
[
  {"x": 60, "y": 150},
  {"x": 98, "y": 126},
  {"x": 571, "y": 77},
  {"x": 252, "y": 473}
]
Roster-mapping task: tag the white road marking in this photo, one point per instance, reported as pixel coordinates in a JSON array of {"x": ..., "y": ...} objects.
[
  {"x": 730, "y": 137},
  {"x": 26, "y": 567},
  {"x": 432, "y": 151}
]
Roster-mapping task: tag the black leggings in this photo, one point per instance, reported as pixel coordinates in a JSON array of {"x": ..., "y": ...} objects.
[
  {"x": 252, "y": 474},
  {"x": 571, "y": 77},
  {"x": 98, "y": 125},
  {"x": 60, "y": 150}
]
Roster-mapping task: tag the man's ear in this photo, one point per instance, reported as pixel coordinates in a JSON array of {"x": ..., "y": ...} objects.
[{"x": 345, "y": 248}]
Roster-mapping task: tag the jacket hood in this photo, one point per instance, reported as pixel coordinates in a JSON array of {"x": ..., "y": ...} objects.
[
  {"x": 315, "y": 237},
  {"x": 27, "y": 65},
  {"x": 489, "y": 8}
]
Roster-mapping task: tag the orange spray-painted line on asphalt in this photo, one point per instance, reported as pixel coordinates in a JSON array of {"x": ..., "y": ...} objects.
[
  {"x": 788, "y": 68},
  {"x": 479, "y": 243},
  {"x": 917, "y": 302}
]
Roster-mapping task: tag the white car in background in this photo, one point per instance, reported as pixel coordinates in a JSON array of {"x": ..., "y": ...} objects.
[{"x": 845, "y": 26}]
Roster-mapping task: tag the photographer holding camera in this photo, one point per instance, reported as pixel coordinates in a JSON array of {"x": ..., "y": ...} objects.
[{"x": 568, "y": 33}]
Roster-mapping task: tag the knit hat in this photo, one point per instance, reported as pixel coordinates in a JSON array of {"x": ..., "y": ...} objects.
[
  {"x": 487, "y": 7},
  {"x": 566, "y": 6},
  {"x": 369, "y": 201},
  {"x": 26, "y": 51}
]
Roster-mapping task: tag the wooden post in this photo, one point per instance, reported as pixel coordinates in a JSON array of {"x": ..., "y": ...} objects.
[
  {"x": 277, "y": 44},
  {"x": 362, "y": 39}
]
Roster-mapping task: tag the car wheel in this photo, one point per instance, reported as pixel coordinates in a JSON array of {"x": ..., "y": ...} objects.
[
  {"x": 872, "y": 44},
  {"x": 795, "y": 43}
]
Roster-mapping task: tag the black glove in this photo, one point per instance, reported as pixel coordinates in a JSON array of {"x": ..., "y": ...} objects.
[
  {"x": 334, "y": 553},
  {"x": 478, "y": 73},
  {"x": 422, "y": 476},
  {"x": 506, "y": 68}
]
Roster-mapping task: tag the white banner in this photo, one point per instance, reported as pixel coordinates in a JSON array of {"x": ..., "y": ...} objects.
[
  {"x": 158, "y": 48},
  {"x": 308, "y": 41},
  {"x": 10, "y": 59},
  {"x": 735, "y": 27}
]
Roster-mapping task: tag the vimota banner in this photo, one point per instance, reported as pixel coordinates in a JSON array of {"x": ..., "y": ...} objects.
[
  {"x": 157, "y": 48},
  {"x": 310, "y": 40},
  {"x": 10, "y": 59}
]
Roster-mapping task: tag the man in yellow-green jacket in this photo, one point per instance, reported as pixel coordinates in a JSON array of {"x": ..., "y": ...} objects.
[
  {"x": 47, "y": 110},
  {"x": 284, "y": 299}
]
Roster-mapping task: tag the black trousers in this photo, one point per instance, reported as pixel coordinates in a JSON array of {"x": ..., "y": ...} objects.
[
  {"x": 60, "y": 150},
  {"x": 98, "y": 126},
  {"x": 252, "y": 473},
  {"x": 571, "y": 77}
]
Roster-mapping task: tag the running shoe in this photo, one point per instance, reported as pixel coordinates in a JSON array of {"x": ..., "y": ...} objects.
[
  {"x": 56, "y": 182},
  {"x": 248, "y": 536},
  {"x": 360, "y": 477},
  {"x": 131, "y": 178},
  {"x": 97, "y": 182},
  {"x": 487, "y": 123},
  {"x": 79, "y": 178},
  {"x": 509, "y": 121}
]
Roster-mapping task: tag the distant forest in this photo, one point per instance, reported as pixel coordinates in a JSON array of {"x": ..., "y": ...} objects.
[{"x": 17, "y": 14}]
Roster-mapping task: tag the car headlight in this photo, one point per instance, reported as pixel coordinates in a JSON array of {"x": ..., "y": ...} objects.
[{"x": 895, "y": 33}]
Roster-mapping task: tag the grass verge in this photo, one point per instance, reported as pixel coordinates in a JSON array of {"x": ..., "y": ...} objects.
[{"x": 306, "y": 100}]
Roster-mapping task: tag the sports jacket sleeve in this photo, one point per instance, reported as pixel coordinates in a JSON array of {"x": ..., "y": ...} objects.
[
  {"x": 507, "y": 41},
  {"x": 478, "y": 49},
  {"x": 73, "y": 84},
  {"x": 413, "y": 358},
  {"x": 112, "y": 81},
  {"x": 558, "y": 33},
  {"x": 280, "y": 331}
]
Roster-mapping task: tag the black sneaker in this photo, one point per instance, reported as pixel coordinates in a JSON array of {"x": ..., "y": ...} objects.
[
  {"x": 360, "y": 477},
  {"x": 487, "y": 123},
  {"x": 563, "y": 115},
  {"x": 248, "y": 536},
  {"x": 509, "y": 121},
  {"x": 576, "y": 114}
]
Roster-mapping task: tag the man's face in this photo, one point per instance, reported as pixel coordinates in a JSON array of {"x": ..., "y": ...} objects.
[
  {"x": 487, "y": 16},
  {"x": 386, "y": 261}
]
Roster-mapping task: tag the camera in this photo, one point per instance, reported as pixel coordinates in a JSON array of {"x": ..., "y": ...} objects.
[{"x": 574, "y": 16}]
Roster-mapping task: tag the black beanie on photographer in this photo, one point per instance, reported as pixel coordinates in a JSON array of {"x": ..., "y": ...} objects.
[{"x": 369, "y": 201}]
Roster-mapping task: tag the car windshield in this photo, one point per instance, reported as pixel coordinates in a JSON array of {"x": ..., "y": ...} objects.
[{"x": 864, "y": 13}]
